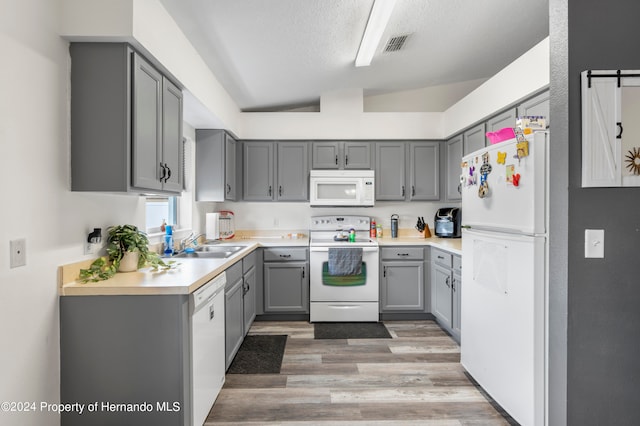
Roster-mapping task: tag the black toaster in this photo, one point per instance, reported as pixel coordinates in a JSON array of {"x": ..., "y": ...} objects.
[{"x": 447, "y": 222}]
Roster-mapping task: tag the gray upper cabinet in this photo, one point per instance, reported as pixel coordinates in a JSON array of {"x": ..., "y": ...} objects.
[
  {"x": 390, "y": 171},
  {"x": 414, "y": 162},
  {"x": 424, "y": 171},
  {"x": 218, "y": 170},
  {"x": 454, "y": 157},
  {"x": 537, "y": 105},
  {"x": 474, "y": 139},
  {"x": 231, "y": 168},
  {"x": 265, "y": 179},
  {"x": 258, "y": 171},
  {"x": 357, "y": 155},
  {"x": 293, "y": 171},
  {"x": 500, "y": 121},
  {"x": 126, "y": 122},
  {"x": 341, "y": 155},
  {"x": 325, "y": 155}
]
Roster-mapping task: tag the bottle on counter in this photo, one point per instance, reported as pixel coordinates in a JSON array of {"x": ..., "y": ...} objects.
[
  {"x": 379, "y": 230},
  {"x": 352, "y": 235},
  {"x": 168, "y": 241},
  {"x": 373, "y": 233}
]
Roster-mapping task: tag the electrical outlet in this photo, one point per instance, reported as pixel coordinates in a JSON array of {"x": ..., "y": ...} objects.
[
  {"x": 18, "y": 250},
  {"x": 92, "y": 248}
]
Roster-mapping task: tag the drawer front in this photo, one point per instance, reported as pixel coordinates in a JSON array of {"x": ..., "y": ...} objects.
[
  {"x": 402, "y": 253},
  {"x": 442, "y": 257},
  {"x": 284, "y": 254},
  {"x": 457, "y": 265},
  {"x": 248, "y": 262},
  {"x": 234, "y": 273}
]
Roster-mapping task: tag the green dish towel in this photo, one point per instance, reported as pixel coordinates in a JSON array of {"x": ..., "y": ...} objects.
[{"x": 343, "y": 280}]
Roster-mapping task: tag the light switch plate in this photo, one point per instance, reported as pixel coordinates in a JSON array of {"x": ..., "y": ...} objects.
[{"x": 594, "y": 243}]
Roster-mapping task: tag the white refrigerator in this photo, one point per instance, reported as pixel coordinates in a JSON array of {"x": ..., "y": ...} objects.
[{"x": 504, "y": 273}]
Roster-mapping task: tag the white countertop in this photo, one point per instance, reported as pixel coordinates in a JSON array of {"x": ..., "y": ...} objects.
[{"x": 191, "y": 274}]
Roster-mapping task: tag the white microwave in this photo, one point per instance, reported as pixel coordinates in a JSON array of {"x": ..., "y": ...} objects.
[{"x": 354, "y": 188}]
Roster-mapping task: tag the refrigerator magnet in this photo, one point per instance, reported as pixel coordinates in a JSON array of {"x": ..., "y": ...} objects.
[
  {"x": 516, "y": 179},
  {"x": 522, "y": 149},
  {"x": 502, "y": 156},
  {"x": 511, "y": 169}
]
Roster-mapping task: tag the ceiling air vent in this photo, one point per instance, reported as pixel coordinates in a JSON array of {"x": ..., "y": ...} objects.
[{"x": 396, "y": 43}]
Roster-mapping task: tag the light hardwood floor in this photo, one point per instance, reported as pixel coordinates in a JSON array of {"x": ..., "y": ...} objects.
[{"x": 415, "y": 378}]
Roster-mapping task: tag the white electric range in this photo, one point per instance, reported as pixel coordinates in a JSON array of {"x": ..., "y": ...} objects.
[{"x": 338, "y": 298}]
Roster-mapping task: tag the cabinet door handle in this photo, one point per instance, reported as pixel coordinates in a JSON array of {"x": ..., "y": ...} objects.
[
  {"x": 453, "y": 284},
  {"x": 212, "y": 312},
  {"x": 384, "y": 271},
  {"x": 413, "y": 190},
  {"x": 403, "y": 190},
  {"x": 285, "y": 255},
  {"x": 403, "y": 254},
  {"x": 336, "y": 160},
  {"x": 168, "y": 172},
  {"x": 164, "y": 172},
  {"x": 346, "y": 160},
  {"x": 269, "y": 190},
  {"x": 440, "y": 257},
  {"x": 280, "y": 190},
  {"x": 303, "y": 268},
  {"x": 448, "y": 282},
  {"x": 228, "y": 189}
]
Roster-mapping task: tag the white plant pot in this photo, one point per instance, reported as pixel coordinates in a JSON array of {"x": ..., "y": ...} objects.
[{"x": 129, "y": 262}]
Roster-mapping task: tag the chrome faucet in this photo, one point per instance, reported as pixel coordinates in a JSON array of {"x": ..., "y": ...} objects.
[{"x": 189, "y": 240}]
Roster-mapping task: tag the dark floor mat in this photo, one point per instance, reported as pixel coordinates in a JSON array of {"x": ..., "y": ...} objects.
[
  {"x": 350, "y": 330},
  {"x": 259, "y": 355}
]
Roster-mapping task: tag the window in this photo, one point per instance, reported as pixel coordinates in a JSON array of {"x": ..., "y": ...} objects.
[{"x": 161, "y": 209}]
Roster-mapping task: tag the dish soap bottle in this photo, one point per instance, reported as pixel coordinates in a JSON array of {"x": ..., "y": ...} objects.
[
  {"x": 352, "y": 235},
  {"x": 168, "y": 241}
]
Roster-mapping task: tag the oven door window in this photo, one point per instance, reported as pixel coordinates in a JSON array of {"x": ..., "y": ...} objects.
[
  {"x": 337, "y": 191},
  {"x": 343, "y": 280}
]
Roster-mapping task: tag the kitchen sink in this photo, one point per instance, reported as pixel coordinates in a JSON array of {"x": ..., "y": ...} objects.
[{"x": 211, "y": 252}]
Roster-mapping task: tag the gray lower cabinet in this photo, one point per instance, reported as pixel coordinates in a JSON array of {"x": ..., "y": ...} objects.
[
  {"x": 234, "y": 312},
  {"x": 474, "y": 139},
  {"x": 125, "y": 349},
  {"x": 454, "y": 158},
  {"x": 218, "y": 171},
  {"x": 286, "y": 280},
  {"x": 275, "y": 171},
  {"x": 341, "y": 155},
  {"x": 456, "y": 289},
  {"x": 446, "y": 290},
  {"x": 126, "y": 122},
  {"x": 249, "y": 290},
  {"x": 402, "y": 281}
]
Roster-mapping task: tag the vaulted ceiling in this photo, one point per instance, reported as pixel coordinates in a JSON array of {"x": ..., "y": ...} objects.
[{"x": 282, "y": 54}]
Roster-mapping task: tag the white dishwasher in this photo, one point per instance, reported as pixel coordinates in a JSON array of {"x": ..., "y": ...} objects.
[{"x": 207, "y": 347}]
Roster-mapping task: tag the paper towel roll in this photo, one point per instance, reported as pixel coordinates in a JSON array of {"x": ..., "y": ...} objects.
[{"x": 212, "y": 226}]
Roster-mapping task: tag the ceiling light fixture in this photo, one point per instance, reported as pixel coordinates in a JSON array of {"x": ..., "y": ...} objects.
[{"x": 378, "y": 19}]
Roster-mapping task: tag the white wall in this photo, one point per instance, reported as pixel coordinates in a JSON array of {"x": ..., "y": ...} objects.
[
  {"x": 523, "y": 77},
  {"x": 38, "y": 205}
]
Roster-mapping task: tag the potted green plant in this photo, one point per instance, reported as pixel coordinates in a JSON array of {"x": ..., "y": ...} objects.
[{"x": 125, "y": 244}]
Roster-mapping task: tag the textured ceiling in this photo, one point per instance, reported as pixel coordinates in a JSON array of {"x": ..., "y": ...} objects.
[{"x": 275, "y": 54}]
